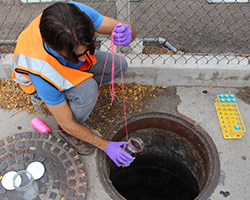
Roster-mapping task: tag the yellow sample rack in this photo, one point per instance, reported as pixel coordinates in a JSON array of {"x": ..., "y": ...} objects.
[{"x": 229, "y": 116}]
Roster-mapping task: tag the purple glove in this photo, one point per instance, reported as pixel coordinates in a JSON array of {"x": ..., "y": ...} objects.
[
  {"x": 116, "y": 153},
  {"x": 125, "y": 34}
]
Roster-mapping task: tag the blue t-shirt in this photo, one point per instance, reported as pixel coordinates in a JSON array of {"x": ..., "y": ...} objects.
[{"x": 47, "y": 92}]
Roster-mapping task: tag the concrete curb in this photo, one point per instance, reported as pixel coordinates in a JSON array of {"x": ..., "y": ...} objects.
[
  {"x": 6, "y": 66},
  {"x": 174, "y": 70}
]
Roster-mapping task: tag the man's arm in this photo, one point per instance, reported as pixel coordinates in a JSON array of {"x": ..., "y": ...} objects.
[
  {"x": 64, "y": 117},
  {"x": 108, "y": 24}
]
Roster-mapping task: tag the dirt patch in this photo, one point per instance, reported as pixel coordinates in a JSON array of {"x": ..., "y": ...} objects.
[
  {"x": 244, "y": 94},
  {"x": 5, "y": 49},
  {"x": 138, "y": 98}
]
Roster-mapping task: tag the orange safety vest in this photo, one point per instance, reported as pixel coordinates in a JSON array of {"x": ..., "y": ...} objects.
[{"x": 31, "y": 57}]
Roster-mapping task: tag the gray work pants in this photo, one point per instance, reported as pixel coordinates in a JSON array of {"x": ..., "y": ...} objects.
[{"x": 82, "y": 98}]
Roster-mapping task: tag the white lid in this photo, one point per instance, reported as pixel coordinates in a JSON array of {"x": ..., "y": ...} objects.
[
  {"x": 7, "y": 180},
  {"x": 36, "y": 169}
]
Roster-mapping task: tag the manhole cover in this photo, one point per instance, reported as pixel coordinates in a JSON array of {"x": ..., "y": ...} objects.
[{"x": 65, "y": 176}]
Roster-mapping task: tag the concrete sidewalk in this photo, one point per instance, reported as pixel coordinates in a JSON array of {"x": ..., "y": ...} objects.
[{"x": 234, "y": 155}]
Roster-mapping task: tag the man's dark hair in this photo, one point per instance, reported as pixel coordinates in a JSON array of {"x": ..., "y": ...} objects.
[{"x": 64, "y": 26}]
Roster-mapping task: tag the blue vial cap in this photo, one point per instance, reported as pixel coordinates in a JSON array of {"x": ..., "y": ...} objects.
[
  {"x": 222, "y": 100},
  {"x": 231, "y": 95},
  {"x": 221, "y": 95},
  {"x": 226, "y": 95},
  {"x": 228, "y": 100},
  {"x": 237, "y": 127},
  {"x": 233, "y": 100}
]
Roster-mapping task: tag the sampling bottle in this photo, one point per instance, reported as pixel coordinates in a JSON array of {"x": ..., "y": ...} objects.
[{"x": 134, "y": 146}]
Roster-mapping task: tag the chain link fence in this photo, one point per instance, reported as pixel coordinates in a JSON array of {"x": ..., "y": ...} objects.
[{"x": 166, "y": 29}]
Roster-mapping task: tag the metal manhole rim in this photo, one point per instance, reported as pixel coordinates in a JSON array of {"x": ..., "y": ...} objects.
[{"x": 213, "y": 175}]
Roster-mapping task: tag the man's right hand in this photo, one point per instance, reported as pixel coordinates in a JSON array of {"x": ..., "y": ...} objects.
[
  {"x": 122, "y": 34},
  {"x": 117, "y": 154}
]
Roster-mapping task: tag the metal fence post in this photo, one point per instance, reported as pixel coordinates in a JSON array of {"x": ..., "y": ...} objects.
[{"x": 123, "y": 10}]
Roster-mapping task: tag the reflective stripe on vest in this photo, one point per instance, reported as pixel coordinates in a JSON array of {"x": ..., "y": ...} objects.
[
  {"x": 20, "y": 78},
  {"x": 45, "y": 70}
]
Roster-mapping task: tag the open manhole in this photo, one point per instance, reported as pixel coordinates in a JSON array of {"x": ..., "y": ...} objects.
[{"x": 179, "y": 160}]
